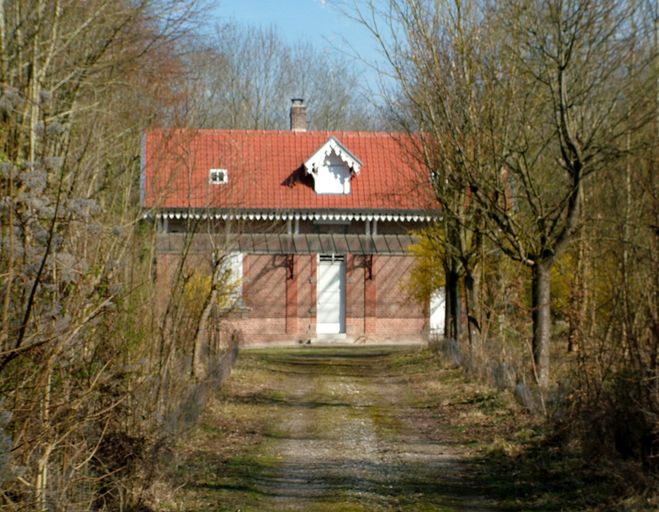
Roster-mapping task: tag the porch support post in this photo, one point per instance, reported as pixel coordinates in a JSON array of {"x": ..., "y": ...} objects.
[
  {"x": 313, "y": 283},
  {"x": 291, "y": 296},
  {"x": 369, "y": 296}
]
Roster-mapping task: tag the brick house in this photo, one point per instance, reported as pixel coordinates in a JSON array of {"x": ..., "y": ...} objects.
[{"x": 316, "y": 225}]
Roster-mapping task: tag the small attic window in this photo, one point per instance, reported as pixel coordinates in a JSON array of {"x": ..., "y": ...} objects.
[{"x": 218, "y": 176}]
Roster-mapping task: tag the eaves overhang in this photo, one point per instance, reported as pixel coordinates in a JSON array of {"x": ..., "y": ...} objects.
[{"x": 391, "y": 215}]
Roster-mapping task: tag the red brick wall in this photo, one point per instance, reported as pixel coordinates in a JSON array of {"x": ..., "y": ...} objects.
[
  {"x": 264, "y": 295},
  {"x": 371, "y": 278},
  {"x": 354, "y": 295},
  {"x": 397, "y": 314},
  {"x": 306, "y": 295},
  {"x": 279, "y": 308},
  {"x": 166, "y": 269},
  {"x": 292, "y": 279}
]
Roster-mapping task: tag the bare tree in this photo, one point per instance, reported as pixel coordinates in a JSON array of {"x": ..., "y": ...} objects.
[
  {"x": 517, "y": 105},
  {"x": 77, "y": 88},
  {"x": 563, "y": 73},
  {"x": 244, "y": 77},
  {"x": 433, "y": 50}
]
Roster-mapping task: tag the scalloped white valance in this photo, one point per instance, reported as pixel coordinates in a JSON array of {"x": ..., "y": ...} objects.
[
  {"x": 333, "y": 146},
  {"x": 338, "y": 216}
]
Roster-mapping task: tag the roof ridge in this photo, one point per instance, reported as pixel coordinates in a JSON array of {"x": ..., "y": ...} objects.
[{"x": 359, "y": 133}]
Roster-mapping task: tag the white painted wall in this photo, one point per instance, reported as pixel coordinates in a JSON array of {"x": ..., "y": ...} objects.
[
  {"x": 332, "y": 167},
  {"x": 437, "y": 311},
  {"x": 234, "y": 264},
  {"x": 332, "y": 177}
]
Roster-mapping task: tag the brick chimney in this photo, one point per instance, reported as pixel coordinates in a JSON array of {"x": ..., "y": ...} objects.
[{"x": 298, "y": 115}]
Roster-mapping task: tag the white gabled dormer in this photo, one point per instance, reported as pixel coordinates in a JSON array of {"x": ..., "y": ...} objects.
[{"x": 332, "y": 167}]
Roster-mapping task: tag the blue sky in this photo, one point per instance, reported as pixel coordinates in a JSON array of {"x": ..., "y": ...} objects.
[{"x": 317, "y": 21}]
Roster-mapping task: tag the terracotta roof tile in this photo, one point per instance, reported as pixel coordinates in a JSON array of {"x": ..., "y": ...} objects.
[{"x": 265, "y": 171}]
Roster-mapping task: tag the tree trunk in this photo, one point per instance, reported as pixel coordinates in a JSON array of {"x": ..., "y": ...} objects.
[
  {"x": 202, "y": 329},
  {"x": 41, "y": 477},
  {"x": 473, "y": 311},
  {"x": 452, "y": 318},
  {"x": 577, "y": 309},
  {"x": 541, "y": 303}
]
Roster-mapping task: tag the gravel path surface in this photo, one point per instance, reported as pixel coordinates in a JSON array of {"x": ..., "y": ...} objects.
[{"x": 336, "y": 429}]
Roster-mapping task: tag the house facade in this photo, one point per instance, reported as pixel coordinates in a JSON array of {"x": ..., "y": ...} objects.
[{"x": 315, "y": 226}]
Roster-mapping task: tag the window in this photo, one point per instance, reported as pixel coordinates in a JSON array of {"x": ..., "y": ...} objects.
[
  {"x": 218, "y": 176},
  {"x": 234, "y": 266},
  {"x": 331, "y": 257},
  {"x": 231, "y": 277}
]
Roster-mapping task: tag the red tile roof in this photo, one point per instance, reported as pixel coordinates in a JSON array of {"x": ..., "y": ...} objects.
[{"x": 265, "y": 171}]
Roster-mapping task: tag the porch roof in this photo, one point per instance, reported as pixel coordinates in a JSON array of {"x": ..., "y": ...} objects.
[{"x": 308, "y": 243}]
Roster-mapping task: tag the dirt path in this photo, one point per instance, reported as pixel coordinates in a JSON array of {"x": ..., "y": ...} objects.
[
  {"x": 353, "y": 438},
  {"x": 335, "y": 428},
  {"x": 366, "y": 428}
]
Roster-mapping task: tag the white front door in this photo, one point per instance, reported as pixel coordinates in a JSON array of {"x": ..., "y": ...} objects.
[{"x": 330, "y": 294}]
